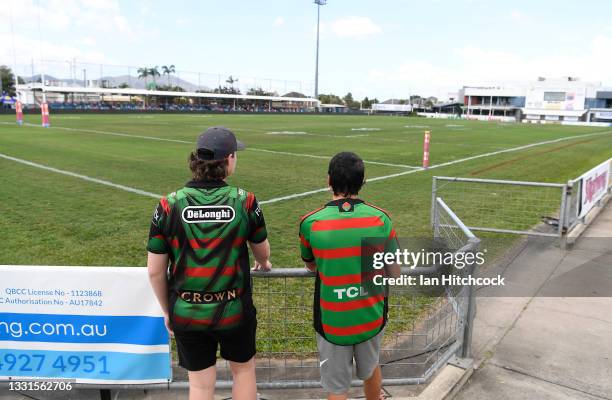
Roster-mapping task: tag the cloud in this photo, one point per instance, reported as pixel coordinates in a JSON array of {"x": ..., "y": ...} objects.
[
  {"x": 471, "y": 65},
  {"x": 183, "y": 21},
  {"x": 66, "y": 15},
  {"x": 278, "y": 21},
  {"x": 353, "y": 27},
  {"x": 517, "y": 15},
  {"x": 87, "y": 41},
  {"x": 28, "y": 51}
]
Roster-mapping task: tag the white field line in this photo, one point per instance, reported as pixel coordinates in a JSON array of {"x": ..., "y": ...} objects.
[
  {"x": 303, "y": 194},
  {"x": 80, "y": 176},
  {"x": 122, "y": 134},
  {"x": 329, "y": 157}
]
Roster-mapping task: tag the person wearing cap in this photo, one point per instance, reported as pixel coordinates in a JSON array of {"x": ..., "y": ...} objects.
[{"x": 198, "y": 265}]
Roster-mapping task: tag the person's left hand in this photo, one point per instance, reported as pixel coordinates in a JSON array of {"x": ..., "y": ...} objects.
[
  {"x": 168, "y": 325},
  {"x": 259, "y": 267}
]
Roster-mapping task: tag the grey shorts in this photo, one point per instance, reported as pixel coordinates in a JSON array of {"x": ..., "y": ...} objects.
[{"x": 336, "y": 362}]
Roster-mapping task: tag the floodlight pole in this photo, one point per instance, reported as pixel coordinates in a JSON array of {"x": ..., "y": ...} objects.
[{"x": 319, "y": 3}]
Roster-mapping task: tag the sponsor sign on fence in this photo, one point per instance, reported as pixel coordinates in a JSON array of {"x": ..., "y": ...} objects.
[
  {"x": 392, "y": 107},
  {"x": 97, "y": 325},
  {"x": 603, "y": 115},
  {"x": 594, "y": 185}
]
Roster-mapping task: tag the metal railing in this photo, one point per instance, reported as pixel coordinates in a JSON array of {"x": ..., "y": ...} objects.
[
  {"x": 502, "y": 206},
  {"x": 516, "y": 207},
  {"x": 455, "y": 235},
  {"x": 423, "y": 332}
]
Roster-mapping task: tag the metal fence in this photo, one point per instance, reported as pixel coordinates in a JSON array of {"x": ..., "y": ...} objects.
[
  {"x": 529, "y": 208},
  {"x": 422, "y": 333},
  {"x": 504, "y": 206}
]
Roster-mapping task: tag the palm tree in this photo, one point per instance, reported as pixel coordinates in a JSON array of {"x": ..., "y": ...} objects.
[
  {"x": 168, "y": 70},
  {"x": 153, "y": 72},
  {"x": 231, "y": 80},
  {"x": 143, "y": 73}
]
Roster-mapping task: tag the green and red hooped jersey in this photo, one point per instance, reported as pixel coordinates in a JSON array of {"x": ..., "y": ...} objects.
[
  {"x": 333, "y": 237},
  {"x": 204, "y": 228}
]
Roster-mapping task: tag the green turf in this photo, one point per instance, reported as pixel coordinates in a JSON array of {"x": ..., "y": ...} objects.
[
  {"x": 52, "y": 219},
  {"x": 59, "y": 220}
]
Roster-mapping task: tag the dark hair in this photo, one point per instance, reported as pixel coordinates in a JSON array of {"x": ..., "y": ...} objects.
[
  {"x": 207, "y": 170},
  {"x": 346, "y": 172}
]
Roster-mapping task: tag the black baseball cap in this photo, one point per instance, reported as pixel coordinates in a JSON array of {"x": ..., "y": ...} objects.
[{"x": 216, "y": 143}]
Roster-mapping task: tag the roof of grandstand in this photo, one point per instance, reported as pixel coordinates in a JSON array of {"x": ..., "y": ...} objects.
[{"x": 144, "y": 92}]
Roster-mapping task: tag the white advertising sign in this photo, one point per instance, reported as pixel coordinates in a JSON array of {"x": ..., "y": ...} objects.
[
  {"x": 91, "y": 324},
  {"x": 392, "y": 107},
  {"x": 561, "y": 99},
  {"x": 603, "y": 114},
  {"x": 594, "y": 186}
]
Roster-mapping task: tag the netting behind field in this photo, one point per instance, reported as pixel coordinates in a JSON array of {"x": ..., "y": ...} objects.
[
  {"x": 502, "y": 206},
  {"x": 76, "y": 73}
]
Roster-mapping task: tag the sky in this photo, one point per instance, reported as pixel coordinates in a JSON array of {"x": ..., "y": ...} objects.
[{"x": 383, "y": 49}]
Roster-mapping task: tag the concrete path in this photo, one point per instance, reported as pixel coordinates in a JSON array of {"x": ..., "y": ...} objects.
[{"x": 555, "y": 341}]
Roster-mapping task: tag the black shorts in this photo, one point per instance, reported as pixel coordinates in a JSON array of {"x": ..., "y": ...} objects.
[{"x": 198, "y": 350}]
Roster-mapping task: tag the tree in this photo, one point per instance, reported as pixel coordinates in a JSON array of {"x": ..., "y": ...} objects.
[
  {"x": 330, "y": 99},
  {"x": 295, "y": 94},
  {"x": 153, "y": 72},
  {"x": 366, "y": 103},
  {"x": 143, "y": 73},
  {"x": 170, "y": 88},
  {"x": 350, "y": 103},
  {"x": 123, "y": 85},
  {"x": 227, "y": 90},
  {"x": 168, "y": 70},
  {"x": 260, "y": 92},
  {"x": 7, "y": 80}
]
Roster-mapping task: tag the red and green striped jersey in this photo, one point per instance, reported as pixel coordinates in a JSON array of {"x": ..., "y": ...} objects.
[
  {"x": 204, "y": 228},
  {"x": 333, "y": 237}
]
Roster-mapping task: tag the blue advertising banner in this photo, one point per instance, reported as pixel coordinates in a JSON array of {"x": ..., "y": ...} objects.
[{"x": 90, "y": 324}]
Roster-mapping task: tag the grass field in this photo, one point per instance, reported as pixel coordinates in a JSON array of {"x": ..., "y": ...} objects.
[
  {"x": 50, "y": 218},
  {"x": 54, "y": 219}
]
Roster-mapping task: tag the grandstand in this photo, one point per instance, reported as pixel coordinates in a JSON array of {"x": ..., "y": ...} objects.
[
  {"x": 77, "y": 86},
  {"x": 545, "y": 100},
  {"x": 127, "y": 99}
]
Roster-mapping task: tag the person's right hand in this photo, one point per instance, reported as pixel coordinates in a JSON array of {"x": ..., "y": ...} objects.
[{"x": 259, "y": 267}]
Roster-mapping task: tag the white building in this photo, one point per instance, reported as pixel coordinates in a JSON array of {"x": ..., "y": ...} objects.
[{"x": 567, "y": 99}]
